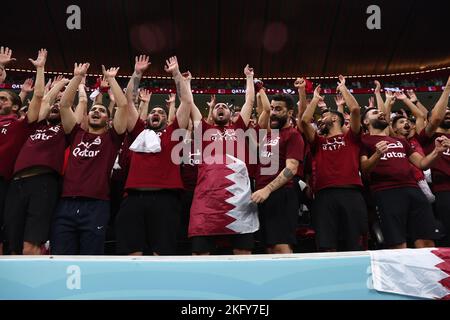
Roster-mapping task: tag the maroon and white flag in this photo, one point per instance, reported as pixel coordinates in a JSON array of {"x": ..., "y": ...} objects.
[
  {"x": 421, "y": 273},
  {"x": 222, "y": 203}
]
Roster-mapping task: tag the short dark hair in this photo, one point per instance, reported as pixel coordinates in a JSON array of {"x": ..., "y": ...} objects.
[
  {"x": 162, "y": 107},
  {"x": 396, "y": 118},
  {"x": 287, "y": 98},
  {"x": 337, "y": 113},
  {"x": 364, "y": 113}
]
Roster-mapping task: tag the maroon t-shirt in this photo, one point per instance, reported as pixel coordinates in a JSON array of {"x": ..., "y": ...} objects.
[
  {"x": 154, "y": 170},
  {"x": 13, "y": 134},
  {"x": 124, "y": 161},
  {"x": 223, "y": 139},
  {"x": 335, "y": 161},
  {"x": 44, "y": 147},
  {"x": 288, "y": 145},
  {"x": 440, "y": 169},
  {"x": 415, "y": 145},
  {"x": 90, "y": 163},
  {"x": 393, "y": 170},
  {"x": 189, "y": 166}
]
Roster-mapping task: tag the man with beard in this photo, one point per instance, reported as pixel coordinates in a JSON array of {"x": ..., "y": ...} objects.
[
  {"x": 14, "y": 132},
  {"x": 80, "y": 220},
  {"x": 148, "y": 218},
  {"x": 222, "y": 211},
  {"x": 339, "y": 210},
  {"x": 276, "y": 195},
  {"x": 439, "y": 126},
  {"x": 34, "y": 190},
  {"x": 403, "y": 209}
]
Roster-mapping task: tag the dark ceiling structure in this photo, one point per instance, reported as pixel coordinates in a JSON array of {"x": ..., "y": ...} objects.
[{"x": 216, "y": 38}]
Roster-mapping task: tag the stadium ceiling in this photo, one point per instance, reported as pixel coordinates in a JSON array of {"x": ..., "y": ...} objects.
[{"x": 216, "y": 38}]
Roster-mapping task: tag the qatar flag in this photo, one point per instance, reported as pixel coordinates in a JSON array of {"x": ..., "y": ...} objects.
[
  {"x": 222, "y": 203},
  {"x": 423, "y": 273}
]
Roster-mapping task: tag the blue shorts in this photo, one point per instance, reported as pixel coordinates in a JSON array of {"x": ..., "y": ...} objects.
[{"x": 79, "y": 227}]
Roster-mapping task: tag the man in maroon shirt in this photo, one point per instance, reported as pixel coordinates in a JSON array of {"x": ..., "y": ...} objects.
[
  {"x": 275, "y": 192},
  {"x": 439, "y": 125},
  {"x": 148, "y": 218},
  {"x": 14, "y": 132},
  {"x": 221, "y": 209},
  {"x": 403, "y": 209},
  {"x": 339, "y": 210},
  {"x": 34, "y": 190},
  {"x": 83, "y": 212}
]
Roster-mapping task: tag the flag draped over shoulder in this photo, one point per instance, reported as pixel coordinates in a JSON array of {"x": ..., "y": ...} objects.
[
  {"x": 222, "y": 203},
  {"x": 421, "y": 273}
]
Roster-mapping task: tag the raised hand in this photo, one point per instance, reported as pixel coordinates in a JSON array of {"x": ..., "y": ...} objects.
[
  {"x": 80, "y": 69},
  {"x": 381, "y": 147},
  {"x": 248, "y": 71},
  {"x": 212, "y": 101},
  {"x": 5, "y": 56},
  {"x": 412, "y": 95},
  {"x": 322, "y": 105},
  {"x": 400, "y": 95},
  {"x": 27, "y": 86},
  {"x": 40, "y": 60},
  {"x": 145, "y": 95},
  {"x": 104, "y": 83},
  {"x": 341, "y": 83},
  {"x": 317, "y": 91},
  {"x": 172, "y": 65},
  {"x": 141, "y": 64},
  {"x": 56, "y": 80},
  {"x": 390, "y": 95},
  {"x": 442, "y": 143},
  {"x": 371, "y": 102},
  {"x": 378, "y": 86},
  {"x": 110, "y": 73},
  {"x": 300, "y": 83},
  {"x": 171, "y": 99},
  {"x": 339, "y": 99}
]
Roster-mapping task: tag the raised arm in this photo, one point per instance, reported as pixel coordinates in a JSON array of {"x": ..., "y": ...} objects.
[
  {"x": 81, "y": 108},
  {"x": 417, "y": 113},
  {"x": 38, "y": 94},
  {"x": 438, "y": 112},
  {"x": 120, "y": 118},
  {"x": 5, "y": 58},
  {"x": 246, "y": 111},
  {"x": 145, "y": 97},
  {"x": 300, "y": 84},
  {"x": 308, "y": 129},
  {"x": 378, "y": 97},
  {"x": 340, "y": 103},
  {"x": 263, "y": 120},
  {"x": 182, "y": 83},
  {"x": 388, "y": 103},
  {"x": 353, "y": 106},
  {"x": 68, "y": 118},
  {"x": 211, "y": 104},
  {"x": 26, "y": 88},
  {"x": 170, "y": 104},
  {"x": 413, "y": 97},
  {"x": 141, "y": 64}
]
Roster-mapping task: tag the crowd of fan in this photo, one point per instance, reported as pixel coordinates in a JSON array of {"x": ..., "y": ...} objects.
[{"x": 155, "y": 175}]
